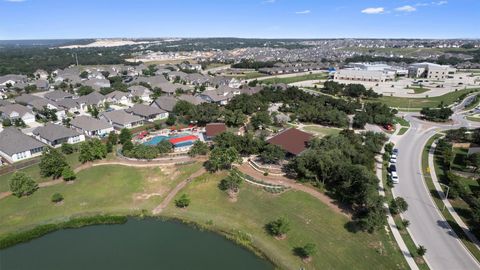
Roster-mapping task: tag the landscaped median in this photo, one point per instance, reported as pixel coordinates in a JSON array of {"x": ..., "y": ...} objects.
[{"x": 472, "y": 248}]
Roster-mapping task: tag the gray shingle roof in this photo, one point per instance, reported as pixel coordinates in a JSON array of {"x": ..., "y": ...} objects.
[
  {"x": 144, "y": 110},
  {"x": 57, "y": 95},
  {"x": 26, "y": 98},
  {"x": 91, "y": 99},
  {"x": 20, "y": 109},
  {"x": 13, "y": 141},
  {"x": 165, "y": 103},
  {"x": 52, "y": 132},
  {"x": 121, "y": 117},
  {"x": 89, "y": 123},
  {"x": 191, "y": 99}
]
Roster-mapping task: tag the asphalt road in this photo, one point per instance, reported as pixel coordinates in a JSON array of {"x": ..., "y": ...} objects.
[{"x": 427, "y": 226}]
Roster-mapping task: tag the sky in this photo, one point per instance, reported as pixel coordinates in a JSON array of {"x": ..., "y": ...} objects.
[{"x": 59, "y": 19}]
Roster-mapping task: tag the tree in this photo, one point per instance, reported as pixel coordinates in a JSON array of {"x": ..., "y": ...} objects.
[
  {"x": 125, "y": 135},
  {"x": 261, "y": 120},
  {"x": 306, "y": 251},
  {"x": 441, "y": 114},
  {"x": 57, "y": 197},
  {"x": 6, "y": 122},
  {"x": 272, "y": 154},
  {"x": 165, "y": 147},
  {"x": 232, "y": 182},
  {"x": 52, "y": 163},
  {"x": 398, "y": 205},
  {"x": 421, "y": 251},
  {"x": 22, "y": 184},
  {"x": 112, "y": 138},
  {"x": 198, "y": 148},
  {"x": 474, "y": 161},
  {"x": 84, "y": 90},
  {"x": 279, "y": 227},
  {"x": 93, "y": 111},
  {"x": 171, "y": 120},
  {"x": 234, "y": 118},
  {"x": 183, "y": 201},
  {"x": 92, "y": 150},
  {"x": 84, "y": 74},
  {"x": 68, "y": 174},
  {"x": 67, "y": 148},
  {"x": 127, "y": 146},
  {"x": 221, "y": 159}
]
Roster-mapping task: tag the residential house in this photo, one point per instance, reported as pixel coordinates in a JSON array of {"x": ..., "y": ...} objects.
[
  {"x": 42, "y": 85},
  {"x": 93, "y": 99},
  {"x": 41, "y": 74},
  {"x": 121, "y": 119},
  {"x": 55, "y": 135},
  {"x": 148, "y": 113},
  {"x": 57, "y": 95},
  {"x": 177, "y": 75},
  {"x": 195, "y": 100},
  {"x": 119, "y": 97},
  {"x": 196, "y": 79},
  {"x": 16, "y": 111},
  {"x": 221, "y": 96},
  {"x": 166, "y": 103},
  {"x": 16, "y": 146},
  {"x": 140, "y": 92},
  {"x": 97, "y": 84},
  {"x": 12, "y": 80},
  {"x": 90, "y": 126},
  {"x": 69, "y": 105},
  {"x": 39, "y": 105}
]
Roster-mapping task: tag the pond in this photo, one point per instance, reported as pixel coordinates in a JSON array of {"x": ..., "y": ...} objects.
[{"x": 138, "y": 244}]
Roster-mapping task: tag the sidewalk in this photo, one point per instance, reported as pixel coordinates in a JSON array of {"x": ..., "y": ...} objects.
[{"x": 448, "y": 206}]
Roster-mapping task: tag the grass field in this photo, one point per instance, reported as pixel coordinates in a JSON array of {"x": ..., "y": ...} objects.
[
  {"x": 401, "y": 121},
  {"x": 311, "y": 221},
  {"x": 418, "y": 90},
  {"x": 402, "y": 130},
  {"x": 322, "y": 131},
  {"x": 98, "y": 190},
  {"x": 475, "y": 119},
  {"x": 417, "y": 103},
  {"x": 287, "y": 80},
  {"x": 248, "y": 75},
  {"x": 34, "y": 171}
]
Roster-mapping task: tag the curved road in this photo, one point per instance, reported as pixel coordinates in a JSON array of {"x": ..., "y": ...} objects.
[{"x": 427, "y": 225}]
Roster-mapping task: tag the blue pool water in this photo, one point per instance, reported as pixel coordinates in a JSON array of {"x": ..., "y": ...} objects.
[{"x": 157, "y": 139}]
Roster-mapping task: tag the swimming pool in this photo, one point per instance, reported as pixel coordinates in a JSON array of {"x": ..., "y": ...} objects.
[{"x": 157, "y": 139}]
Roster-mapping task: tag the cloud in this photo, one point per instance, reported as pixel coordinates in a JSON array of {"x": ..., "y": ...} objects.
[
  {"x": 374, "y": 10},
  {"x": 269, "y": 1},
  {"x": 437, "y": 3},
  {"x": 406, "y": 8},
  {"x": 307, "y": 11},
  {"x": 14, "y": 1}
]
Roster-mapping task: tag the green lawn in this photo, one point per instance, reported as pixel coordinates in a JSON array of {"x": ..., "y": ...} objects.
[
  {"x": 458, "y": 204},
  {"x": 34, "y": 171},
  {"x": 311, "y": 221},
  {"x": 418, "y": 90},
  {"x": 111, "y": 189},
  {"x": 249, "y": 75},
  {"x": 322, "y": 131},
  {"x": 402, "y": 130},
  {"x": 287, "y": 80},
  {"x": 401, "y": 121},
  {"x": 475, "y": 119},
  {"x": 417, "y": 103}
]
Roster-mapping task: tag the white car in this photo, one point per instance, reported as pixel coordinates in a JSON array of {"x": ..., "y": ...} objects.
[
  {"x": 393, "y": 160},
  {"x": 394, "y": 177}
]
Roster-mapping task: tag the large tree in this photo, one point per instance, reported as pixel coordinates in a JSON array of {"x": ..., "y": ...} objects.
[
  {"x": 92, "y": 150},
  {"x": 232, "y": 182},
  {"x": 279, "y": 227},
  {"x": 272, "y": 154},
  {"x": 22, "y": 184},
  {"x": 125, "y": 135},
  {"x": 52, "y": 163},
  {"x": 221, "y": 159}
]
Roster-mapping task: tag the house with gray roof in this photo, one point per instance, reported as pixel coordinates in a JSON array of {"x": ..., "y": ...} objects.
[
  {"x": 195, "y": 100},
  {"x": 97, "y": 84},
  {"x": 4, "y": 102},
  {"x": 177, "y": 74},
  {"x": 93, "y": 99},
  {"x": 197, "y": 79},
  {"x": 42, "y": 84},
  {"x": 70, "y": 105},
  {"x": 25, "y": 99},
  {"x": 12, "y": 79},
  {"x": 148, "y": 113},
  {"x": 153, "y": 81},
  {"x": 119, "y": 97},
  {"x": 39, "y": 105},
  {"x": 121, "y": 119},
  {"x": 141, "y": 92},
  {"x": 16, "y": 146},
  {"x": 17, "y": 111},
  {"x": 55, "y": 135},
  {"x": 57, "y": 95},
  {"x": 90, "y": 126},
  {"x": 165, "y": 103}
]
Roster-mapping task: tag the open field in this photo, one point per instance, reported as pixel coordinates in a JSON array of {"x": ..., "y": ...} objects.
[
  {"x": 472, "y": 118},
  {"x": 311, "y": 221},
  {"x": 416, "y": 103},
  {"x": 321, "y": 131},
  {"x": 99, "y": 190},
  {"x": 294, "y": 79}
]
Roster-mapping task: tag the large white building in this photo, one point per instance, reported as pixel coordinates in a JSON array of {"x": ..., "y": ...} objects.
[
  {"x": 431, "y": 71},
  {"x": 369, "y": 72}
]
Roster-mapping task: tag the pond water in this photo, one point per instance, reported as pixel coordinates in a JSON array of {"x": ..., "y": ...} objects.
[{"x": 138, "y": 244}]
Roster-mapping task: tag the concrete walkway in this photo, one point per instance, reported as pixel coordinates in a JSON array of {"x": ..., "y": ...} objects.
[
  {"x": 391, "y": 222},
  {"x": 448, "y": 205}
]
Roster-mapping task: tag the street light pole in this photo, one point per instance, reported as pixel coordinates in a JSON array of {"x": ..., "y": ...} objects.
[{"x": 446, "y": 195}]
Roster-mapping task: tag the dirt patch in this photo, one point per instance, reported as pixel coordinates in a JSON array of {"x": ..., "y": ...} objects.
[
  {"x": 419, "y": 260},
  {"x": 232, "y": 196},
  {"x": 146, "y": 196},
  {"x": 307, "y": 259},
  {"x": 281, "y": 237}
]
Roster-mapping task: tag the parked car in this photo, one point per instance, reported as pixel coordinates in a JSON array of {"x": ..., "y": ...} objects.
[
  {"x": 394, "y": 177},
  {"x": 393, "y": 158},
  {"x": 392, "y": 168},
  {"x": 395, "y": 151}
]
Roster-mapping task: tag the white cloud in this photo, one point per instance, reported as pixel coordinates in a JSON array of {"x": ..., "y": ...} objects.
[
  {"x": 303, "y": 12},
  {"x": 437, "y": 3},
  {"x": 406, "y": 8},
  {"x": 440, "y": 3},
  {"x": 269, "y": 1},
  {"x": 14, "y": 1},
  {"x": 374, "y": 10}
]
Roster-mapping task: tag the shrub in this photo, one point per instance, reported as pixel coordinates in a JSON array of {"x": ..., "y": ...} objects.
[
  {"x": 278, "y": 227},
  {"x": 68, "y": 174},
  {"x": 67, "y": 149},
  {"x": 57, "y": 197},
  {"x": 421, "y": 250},
  {"x": 183, "y": 201},
  {"x": 306, "y": 251}
]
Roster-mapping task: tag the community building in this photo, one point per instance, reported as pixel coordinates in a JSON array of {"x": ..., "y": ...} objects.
[
  {"x": 431, "y": 71},
  {"x": 292, "y": 141}
]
